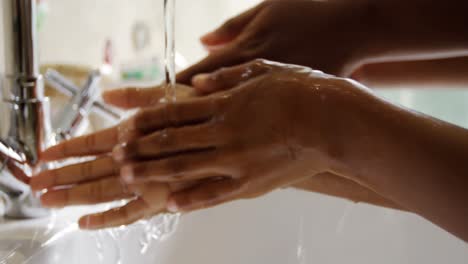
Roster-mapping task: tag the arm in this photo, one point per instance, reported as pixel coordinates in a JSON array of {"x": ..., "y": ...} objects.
[
  {"x": 437, "y": 72},
  {"x": 417, "y": 29},
  {"x": 340, "y": 187},
  {"x": 412, "y": 159},
  {"x": 415, "y": 160},
  {"x": 311, "y": 33}
]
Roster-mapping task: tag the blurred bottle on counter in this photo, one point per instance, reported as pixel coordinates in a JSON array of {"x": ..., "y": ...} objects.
[
  {"x": 42, "y": 10},
  {"x": 145, "y": 67},
  {"x": 107, "y": 68}
]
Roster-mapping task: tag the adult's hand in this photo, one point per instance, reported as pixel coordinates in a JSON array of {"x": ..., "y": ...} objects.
[{"x": 331, "y": 36}]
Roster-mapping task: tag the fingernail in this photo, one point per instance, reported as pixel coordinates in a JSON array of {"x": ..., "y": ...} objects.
[
  {"x": 126, "y": 173},
  {"x": 84, "y": 222},
  {"x": 200, "y": 79},
  {"x": 212, "y": 48},
  {"x": 171, "y": 206},
  {"x": 208, "y": 37},
  {"x": 106, "y": 95},
  {"x": 118, "y": 153}
]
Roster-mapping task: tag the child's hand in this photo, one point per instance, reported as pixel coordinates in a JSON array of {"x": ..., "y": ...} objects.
[{"x": 97, "y": 181}]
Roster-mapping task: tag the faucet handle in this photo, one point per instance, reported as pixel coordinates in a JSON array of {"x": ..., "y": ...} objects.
[
  {"x": 68, "y": 88},
  {"x": 82, "y": 102}
]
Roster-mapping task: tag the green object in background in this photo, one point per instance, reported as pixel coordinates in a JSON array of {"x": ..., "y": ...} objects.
[
  {"x": 42, "y": 10},
  {"x": 144, "y": 71}
]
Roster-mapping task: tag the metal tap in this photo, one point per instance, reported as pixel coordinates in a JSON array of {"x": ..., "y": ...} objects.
[{"x": 25, "y": 126}]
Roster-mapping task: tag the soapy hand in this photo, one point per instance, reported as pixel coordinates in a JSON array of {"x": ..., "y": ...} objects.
[{"x": 332, "y": 36}]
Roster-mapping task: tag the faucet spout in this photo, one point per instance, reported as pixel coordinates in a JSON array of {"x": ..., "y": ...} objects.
[{"x": 24, "y": 120}]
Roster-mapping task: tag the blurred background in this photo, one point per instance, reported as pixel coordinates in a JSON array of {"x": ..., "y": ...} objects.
[
  {"x": 78, "y": 32},
  {"x": 126, "y": 38}
]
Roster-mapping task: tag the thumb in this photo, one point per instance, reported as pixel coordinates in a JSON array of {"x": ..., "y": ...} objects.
[
  {"x": 225, "y": 57},
  {"x": 134, "y": 97},
  {"x": 231, "y": 28}
]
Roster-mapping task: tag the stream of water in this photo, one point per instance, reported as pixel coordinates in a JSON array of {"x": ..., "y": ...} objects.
[{"x": 169, "y": 50}]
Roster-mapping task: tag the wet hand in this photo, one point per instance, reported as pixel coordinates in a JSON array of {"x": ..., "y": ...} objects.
[
  {"x": 332, "y": 36},
  {"x": 265, "y": 131},
  {"x": 97, "y": 181}
]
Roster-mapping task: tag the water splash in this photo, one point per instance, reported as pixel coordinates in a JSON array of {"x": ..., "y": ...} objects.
[
  {"x": 301, "y": 255},
  {"x": 341, "y": 222},
  {"x": 159, "y": 227}
]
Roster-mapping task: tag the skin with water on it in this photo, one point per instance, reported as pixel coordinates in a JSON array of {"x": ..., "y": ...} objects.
[
  {"x": 368, "y": 141},
  {"x": 98, "y": 181},
  {"x": 281, "y": 125},
  {"x": 376, "y": 42}
]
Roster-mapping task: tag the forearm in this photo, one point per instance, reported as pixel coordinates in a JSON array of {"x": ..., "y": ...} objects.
[
  {"x": 421, "y": 73},
  {"x": 414, "y": 160},
  {"x": 340, "y": 187},
  {"x": 417, "y": 29}
]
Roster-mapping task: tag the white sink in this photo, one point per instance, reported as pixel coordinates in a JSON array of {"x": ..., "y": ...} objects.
[
  {"x": 57, "y": 239},
  {"x": 49, "y": 241}
]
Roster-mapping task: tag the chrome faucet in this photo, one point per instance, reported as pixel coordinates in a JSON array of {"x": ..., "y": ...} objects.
[{"x": 25, "y": 126}]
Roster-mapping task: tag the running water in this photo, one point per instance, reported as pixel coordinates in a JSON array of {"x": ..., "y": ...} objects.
[
  {"x": 169, "y": 50},
  {"x": 161, "y": 226}
]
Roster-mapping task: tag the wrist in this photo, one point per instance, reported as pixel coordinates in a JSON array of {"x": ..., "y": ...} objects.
[{"x": 347, "y": 124}]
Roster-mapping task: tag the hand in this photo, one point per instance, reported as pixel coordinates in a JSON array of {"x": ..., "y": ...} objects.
[
  {"x": 332, "y": 36},
  {"x": 327, "y": 183},
  {"x": 97, "y": 181},
  {"x": 266, "y": 133}
]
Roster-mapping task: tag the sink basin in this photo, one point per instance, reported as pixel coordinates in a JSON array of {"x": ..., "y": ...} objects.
[
  {"x": 57, "y": 239},
  {"x": 43, "y": 241}
]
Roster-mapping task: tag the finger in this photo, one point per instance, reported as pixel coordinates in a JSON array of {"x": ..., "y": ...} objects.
[
  {"x": 228, "y": 56},
  {"x": 206, "y": 195},
  {"x": 133, "y": 97},
  {"x": 186, "y": 167},
  {"x": 125, "y": 215},
  {"x": 155, "y": 195},
  {"x": 17, "y": 172},
  {"x": 231, "y": 28},
  {"x": 147, "y": 120},
  {"x": 76, "y": 173},
  {"x": 189, "y": 112},
  {"x": 101, "y": 191},
  {"x": 227, "y": 78},
  {"x": 168, "y": 141},
  {"x": 93, "y": 144},
  {"x": 153, "y": 201}
]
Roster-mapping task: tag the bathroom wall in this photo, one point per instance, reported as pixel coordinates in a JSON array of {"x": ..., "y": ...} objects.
[{"x": 76, "y": 31}]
